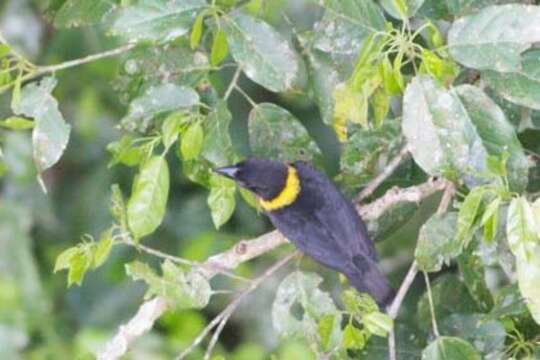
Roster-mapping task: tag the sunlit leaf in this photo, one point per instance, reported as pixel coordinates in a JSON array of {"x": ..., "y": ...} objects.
[
  {"x": 197, "y": 30},
  {"x": 17, "y": 123},
  {"x": 221, "y": 199},
  {"x": 495, "y": 37},
  {"x": 217, "y": 146},
  {"x": 220, "y": 48},
  {"x": 468, "y": 213},
  {"x": 157, "y": 100},
  {"x": 51, "y": 133},
  {"x": 264, "y": 55},
  {"x": 400, "y": 9},
  {"x": 275, "y": 133},
  {"x": 521, "y": 229},
  {"x": 353, "y": 338},
  {"x": 75, "y": 13},
  {"x": 329, "y": 329},
  {"x": 192, "y": 141},
  {"x": 103, "y": 248},
  {"x": 158, "y": 20},
  {"x": 148, "y": 201}
]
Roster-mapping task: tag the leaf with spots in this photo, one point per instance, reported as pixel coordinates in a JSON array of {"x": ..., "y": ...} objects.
[
  {"x": 51, "y": 133},
  {"x": 75, "y": 13},
  {"x": 156, "y": 20},
  {"x": 275, "y": 133},
  {"x": 450, "y": 348},
  {"x": 495, "y": 37},
  {"x": 264, "y": 54}
]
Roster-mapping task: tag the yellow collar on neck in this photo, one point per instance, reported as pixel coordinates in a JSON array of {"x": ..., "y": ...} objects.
[{"x": 287, "y": 196}]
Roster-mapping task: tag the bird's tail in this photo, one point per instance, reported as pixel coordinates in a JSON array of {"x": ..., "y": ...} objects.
[{"x": 365, "y": 276}]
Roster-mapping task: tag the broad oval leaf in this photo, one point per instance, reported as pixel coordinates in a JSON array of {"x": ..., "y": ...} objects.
[
  {"x": 441, "y": 137},
  {"x": 300, "y": 288},
  {"x": 264, "y": 55},
  {"x": 344, "y": 27},
  {"x": 156, "y": 100},
  {"x": 497, "y": 134},
  {"x": 192, "y": 141},
  {"x": 520, "y": 86},
  {"x": 74, "y": 13},
  {"x": 486, "y": 335},
  {"x": 495, "y": 37},
  {"x": 528, "y": 274},
  {"x": 158, "y": 20},
  {"x": 450, "y": 348},
  {"x": 437, "y": 242},
  {"x": 147, "y": 204},
  {"x": 275, "y": 133},
  {"x": 51, "y": 133},
  {"x": 521, "y": 229},
  {"x": 217, "y": 146},
  {"x": 221, "y": 199}
]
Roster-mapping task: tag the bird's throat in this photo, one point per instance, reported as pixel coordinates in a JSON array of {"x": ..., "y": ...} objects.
[{"x": 286, "y": 196}]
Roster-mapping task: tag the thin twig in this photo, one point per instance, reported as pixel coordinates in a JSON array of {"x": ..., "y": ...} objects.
[
  {"x": 393, "y": 310},
  {"x": 233, "y": 305},
  {"x": 431, "y": 307},
  {"x": 246, "y": 96},
  {"x": 234, "y": 80},
  {"x": 388, "y": 170}
]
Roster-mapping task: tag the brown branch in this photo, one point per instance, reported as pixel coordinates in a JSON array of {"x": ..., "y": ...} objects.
[
  {"x": 246, "y": 250},
  {"x": 379, "y": 179}
]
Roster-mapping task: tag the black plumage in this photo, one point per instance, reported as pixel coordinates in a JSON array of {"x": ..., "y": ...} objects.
[{"x": 320, "y": 221}]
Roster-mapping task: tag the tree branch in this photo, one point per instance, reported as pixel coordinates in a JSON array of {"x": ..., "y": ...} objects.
[{"x": 246, "y": 250}]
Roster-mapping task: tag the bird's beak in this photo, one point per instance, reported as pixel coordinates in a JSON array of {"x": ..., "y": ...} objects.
[{"x": 228, "y": 171}]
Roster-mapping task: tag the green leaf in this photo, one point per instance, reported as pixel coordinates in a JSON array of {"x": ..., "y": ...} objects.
[
  {"x": 171, "y": 128},
  {"x": 520, "y": 86},
  {"x": 353, "y": 338},
  {"x": 437, "y": 242},
  {"x": 51, "y": 133},
  {"x": 521, "y": 229},
  {"x": 264, "y": 55},
  {"x": 157, "y": 20},
  {"x": 345, "y": 26},
  {"x": 157, "y": 100},
  {"x": 197, "y": 30},
  {"x": 140, "y": 271},
  {"x": 495, "y": 37},
  {"x": 528, "y": 276},
  {"x": 63, "y": 260},
  {"x": 490, "y": 219},
  {"x": 468, "y": 213},
  {"x": 450, "y": 348},
  {"x": 103, "y": 248},
  {"x": 75, "y": 13},
  {"x": 221, "y": 199},
  {"x": 497, "y": 133},
  {"x": 474, "y": 277},
  {"x": 192, "y": 141},
  {"x": 17, "y": 123},
  {"x": 380, "y": 101},
  {"x": 300, "y": 290},
  {"x": 367, "y": 152},
  {"x": 329, "y": 329},
  {"x": 217, "y": 145},
  {"x": 350, "y": 105},
  {"x": 358, "y": 304},
  {"x": 79, "y": 263},
  {"x": 126, "y": 151},
  {"x": 220, "y": 48},
  {"x": 401, "y": 9},
  {"x": 118, "y": 206},
  {"x": 487, "y": 336},
  {"x": 378, "y": 323},
  {"x": 275, "y": 133},
  {"x": 440, "y": 135},
  {"x": 147, "y": 204},
  {"x": 391, "y": 82}
]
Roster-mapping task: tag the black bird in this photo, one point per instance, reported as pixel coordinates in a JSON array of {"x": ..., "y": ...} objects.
[{"x": 313, "y": 214}]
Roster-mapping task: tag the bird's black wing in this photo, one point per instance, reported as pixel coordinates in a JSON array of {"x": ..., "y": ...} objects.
[{"x": 334, "y": 212}]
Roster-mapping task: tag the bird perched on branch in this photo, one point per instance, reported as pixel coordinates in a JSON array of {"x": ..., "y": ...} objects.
[{"x": 308, "y": 209}]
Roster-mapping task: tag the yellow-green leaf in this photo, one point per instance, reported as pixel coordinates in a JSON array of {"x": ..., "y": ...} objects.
[
  {"x": 192, "y": 141},
  {"x": 220, "y": 48},
  {"x": 196, "y": 31}
]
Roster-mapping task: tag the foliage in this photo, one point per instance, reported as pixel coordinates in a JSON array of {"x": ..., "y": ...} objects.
[{"x": 171, "y": 89}]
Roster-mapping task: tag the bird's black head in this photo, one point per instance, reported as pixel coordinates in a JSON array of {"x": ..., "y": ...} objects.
[{"x": 266, "y": 178}]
